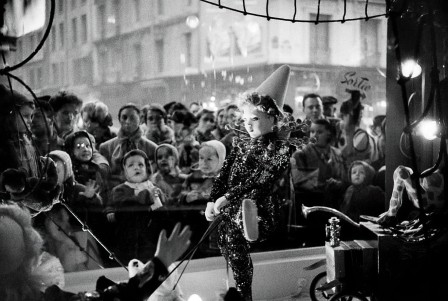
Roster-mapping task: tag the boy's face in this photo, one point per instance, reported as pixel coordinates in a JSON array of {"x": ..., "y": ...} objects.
[
  {"x": 135, "y": 169},
  {"x": 27, "y": 113},
  {"x": 165, "y": 160},
  {"x": 358, "y": 175},
  {"x": 39, "y": 126},
  {"x": 257, "y": 123},
  {"x": 82, "y": 150},
  {"x": 313, "y": 108},
  {"x": 321, "y": 134},
  {"x": 208, "y": 160},
  {"x": 65, "y": 118}
]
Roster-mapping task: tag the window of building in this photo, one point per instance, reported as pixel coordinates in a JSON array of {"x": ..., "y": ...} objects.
[
  {"x": 138, "y": 61},
  {"x": 116, "y": 11},
  {"x": 19, "y": 52},
  {"x": 84, "y": 29},
  {"x": 39, "y": 78},
  {"x": 55, "y": 74},
  {"x": 83, "y": 2},
  {"x": 62, "y": 73},
  {"x": 101, "y": 21},
  {"x": 32, "y": 42},
  {"x": 74, "y": 31},
  {"x": 188, "y": 49},
  {"x": 160, "y": 7},
  {"x": 103, "y": 65},
  {"x": 31, "y": 78},
  {"x": 370, "y": 42},
  {"x": 83, "y": 72},
  {"x": 61, "y": 35},
  {"x": 74, "y": 3},
  {"x": 160, "y": 54},
  {"x": 137, "y": 8},
  {"x": 320, "y": 40},
  {"x": 53, "y": 38},
  {"x": 61, "y": 6}
]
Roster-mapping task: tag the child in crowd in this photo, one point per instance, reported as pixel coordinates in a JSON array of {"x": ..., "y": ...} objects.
[
  {"x": 97, "y": 121},
  {"x": 199, "y": 183},
  {"x": 251, "y": 174},
  {"x": 206, "y": 123},
  {"x": 93, "y": 176},
  {"x": 30, "y": 179},
  {"x": 156, "y": 129},
  {"x": 362, "y": 198},
  {"x": 131, "y": 207},
  {"x": 168, "y": 176}
]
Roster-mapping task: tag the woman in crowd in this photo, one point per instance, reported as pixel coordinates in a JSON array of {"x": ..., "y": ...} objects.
[
  {"x": 156, "y": 129},
  {"x": 206, "y": 123}
]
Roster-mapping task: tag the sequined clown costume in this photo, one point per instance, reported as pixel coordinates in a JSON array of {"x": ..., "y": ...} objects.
[{"x": 252, "y": 170}]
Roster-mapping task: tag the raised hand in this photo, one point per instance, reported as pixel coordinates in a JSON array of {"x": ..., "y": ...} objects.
[
  {"x": 170, "y": 249},
  {"x": 91, "y": 188}
]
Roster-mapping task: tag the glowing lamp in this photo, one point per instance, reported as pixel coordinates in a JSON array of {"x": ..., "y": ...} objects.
[
  {"x": 194, "y": 297},
  {"x": 192, "y": 22},
  {"x": 411, "y": 68},
  {"x": 429, "y": 129}
]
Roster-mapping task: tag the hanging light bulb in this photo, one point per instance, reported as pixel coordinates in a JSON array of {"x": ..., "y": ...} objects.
[
  {"x": 429, "y": 129},
  {"x": 411, "y": 68}
]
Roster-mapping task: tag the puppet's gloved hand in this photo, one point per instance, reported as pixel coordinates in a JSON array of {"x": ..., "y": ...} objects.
[
  {"x": 219, "y": 204},
  {"x": 210, "y": 212}
]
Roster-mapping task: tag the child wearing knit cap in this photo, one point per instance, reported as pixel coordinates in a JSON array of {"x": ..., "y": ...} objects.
[
  {"x": 362, "y": 198},
  {"x": 199, "y": 183},
  {"x": 168, "y": 176},
  {"x": 90, "y": 205}
]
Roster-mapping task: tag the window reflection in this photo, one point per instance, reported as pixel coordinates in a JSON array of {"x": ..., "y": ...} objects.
[{"x": 159, "y": 59}]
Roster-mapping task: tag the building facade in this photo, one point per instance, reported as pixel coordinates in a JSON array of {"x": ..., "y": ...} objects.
[{"x": 187, "y": 50}]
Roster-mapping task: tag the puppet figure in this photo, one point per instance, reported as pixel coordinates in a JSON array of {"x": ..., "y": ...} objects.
[{"x": 251, "y": 172}]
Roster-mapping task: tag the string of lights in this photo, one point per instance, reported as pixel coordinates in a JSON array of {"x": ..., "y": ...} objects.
[{"x": 269, "y": 17}]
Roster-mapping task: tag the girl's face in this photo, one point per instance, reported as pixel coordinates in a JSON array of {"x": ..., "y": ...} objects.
[
  {"x": 82, "y": 150},
  {"x": 154, "y": 118},
  {"x": 129, "y": 121},
  {"x": 27, "y": 112},
  {"x": 165, "y": 160},
  {"x": 358, "y": 175},
  {"x": 207, "y": 122},
  {"x": 257, "y": 123},
  {"x": 322, "y": 135},
  {"x": 208, "y": 160},
  {"x": 135, "y": 169}
]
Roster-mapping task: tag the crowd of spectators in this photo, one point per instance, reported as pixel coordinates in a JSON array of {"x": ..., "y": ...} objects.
[{"x": 125, "y": 197}]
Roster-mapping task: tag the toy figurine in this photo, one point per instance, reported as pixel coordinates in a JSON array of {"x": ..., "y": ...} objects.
[{"x": 252, "y": 171}]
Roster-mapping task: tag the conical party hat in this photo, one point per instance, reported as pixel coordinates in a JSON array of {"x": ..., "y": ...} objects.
[{"x": 276, "y": 85}]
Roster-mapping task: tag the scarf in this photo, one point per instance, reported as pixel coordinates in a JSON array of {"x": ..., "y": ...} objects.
[{"x": 146, "y": 185}]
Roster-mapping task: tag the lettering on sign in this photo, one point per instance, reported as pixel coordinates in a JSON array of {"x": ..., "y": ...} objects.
[{"x": 351, "y": 80}]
